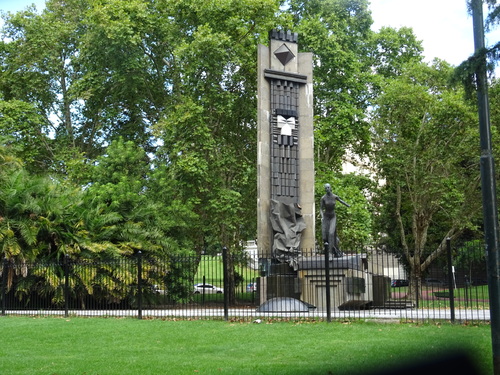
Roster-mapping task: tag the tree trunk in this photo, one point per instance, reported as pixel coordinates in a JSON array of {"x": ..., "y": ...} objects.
[
  {"x": 68, "y": 124},
  {"x": 231, "y": 287}
]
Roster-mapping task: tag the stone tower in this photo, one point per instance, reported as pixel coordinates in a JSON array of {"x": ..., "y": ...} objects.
[{"x": 285, "y": 172}]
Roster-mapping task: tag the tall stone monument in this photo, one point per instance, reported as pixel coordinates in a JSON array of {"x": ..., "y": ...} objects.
[
  {"x": 285, "y": 186},
  {"x": 285, "y": 191}
]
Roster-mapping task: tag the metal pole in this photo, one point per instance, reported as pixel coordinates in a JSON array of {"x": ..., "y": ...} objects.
[
  {"x": 66, "y": 285},
  {"x": 4, "y": 283},
  {"x": 226, "y": 283},
  {"x": 139, "y": 285},
  {"x": 450, "y": 281},
  {"x": 203, "y": 293},
  {"x": 488, "y": 185},
  {"x": 328, "y": 292}
]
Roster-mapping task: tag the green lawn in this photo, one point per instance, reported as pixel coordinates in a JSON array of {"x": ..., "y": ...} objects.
[
  {"x": 87, "y": 346},
  {"x": 211, "y": 268}
]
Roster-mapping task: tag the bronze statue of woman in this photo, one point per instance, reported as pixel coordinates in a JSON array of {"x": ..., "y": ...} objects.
[{"x": 329, "y": 220}]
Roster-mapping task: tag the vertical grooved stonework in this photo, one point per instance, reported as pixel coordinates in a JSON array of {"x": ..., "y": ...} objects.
[{"x": 285, "y": 135}]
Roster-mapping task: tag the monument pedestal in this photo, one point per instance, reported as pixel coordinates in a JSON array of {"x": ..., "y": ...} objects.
[
  {"x": 350, "y": 284},
  {"x": 282, "y": 281}
]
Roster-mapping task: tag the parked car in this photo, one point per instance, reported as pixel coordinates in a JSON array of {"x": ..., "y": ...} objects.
[
  {"x": 434, "y": 282},
  {"x": 157, "y": 290},
  {"x": 396, "y": 283},
  {"x": 207, "y": 289},
  {"x": 252, "y": 287}
]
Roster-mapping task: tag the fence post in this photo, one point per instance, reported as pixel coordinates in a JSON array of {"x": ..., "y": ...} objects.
[
  {"x": 139, "y": 285},
  {"x": 451, "y": 293},
  {"x": 203, "y": 292},
  {"x": 4, "y": 283},
  {"x": 467, "y": 284},
  {"x": 226, "y": 284},
  {"x": 488, "y": 181},
  {"x": 328, "y": 293},
  {"x": 66, "y": 285}
]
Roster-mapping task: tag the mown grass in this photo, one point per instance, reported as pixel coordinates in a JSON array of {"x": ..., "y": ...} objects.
[
  {"x": 210, "y": 269},
  {"x": 129, "y": 346}
]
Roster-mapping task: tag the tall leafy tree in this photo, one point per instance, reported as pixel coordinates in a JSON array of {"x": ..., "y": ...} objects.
[
  {"x": 90, "y": 69},
  {"x": 38, "y": 53},
  {"x": 425, "y": 148},
  {"x": 125, "y": 81},
  {"x": 209, "y": 129}
]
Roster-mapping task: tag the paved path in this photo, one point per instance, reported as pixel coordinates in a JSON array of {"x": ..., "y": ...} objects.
[{"x": 251, "y": 314}]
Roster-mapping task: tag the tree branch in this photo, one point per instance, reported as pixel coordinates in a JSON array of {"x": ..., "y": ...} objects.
[
  {"x": 453, "y": 233},
  {"x": 400, "y": 222}
]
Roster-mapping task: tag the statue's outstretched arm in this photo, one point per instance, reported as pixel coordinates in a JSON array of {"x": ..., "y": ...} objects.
[{"x": 344, "y": 203}]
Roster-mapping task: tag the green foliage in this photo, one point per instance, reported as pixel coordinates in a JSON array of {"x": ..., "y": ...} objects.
[
  {"x": 23, "y": 130},
  {"x": 121, "y": 187},
  {"x": 135, "y": 122},
  {"x": 95, "y": 89},
  {"x": 37, "y": 215},
  {"x": 117, "y": 178},
  {"x": 393, "y": 49},
  {"x": 426, "y": 150},
  {"x": 179, "y": 279},
  {"x": 471, "y": 257}
]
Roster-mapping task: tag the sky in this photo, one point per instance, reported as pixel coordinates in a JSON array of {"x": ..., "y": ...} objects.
[{"x": 444, "y": 26}]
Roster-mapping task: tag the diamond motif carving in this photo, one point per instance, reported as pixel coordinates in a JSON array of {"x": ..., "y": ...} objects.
[{"x": 283, "y": 54}]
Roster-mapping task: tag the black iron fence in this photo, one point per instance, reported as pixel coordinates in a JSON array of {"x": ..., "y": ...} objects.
[{"x": 374, "y": 283}]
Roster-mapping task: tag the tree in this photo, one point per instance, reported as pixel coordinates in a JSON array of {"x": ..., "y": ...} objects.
[
  {"x": 91, "y": 71},
  {"x": 38, "y": 222},
  {"x": 119, "y": 185},
  {"x": 43, "y": 220},
  {"x": 37, "y": 65},
  {"x": 425, "y": 147},
  {"x": 209, "y": 128},
  {"x": 125, "y": 78}
]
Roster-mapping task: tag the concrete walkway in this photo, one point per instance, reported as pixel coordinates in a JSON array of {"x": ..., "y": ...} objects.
[{"x": 417, "y": 315}]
